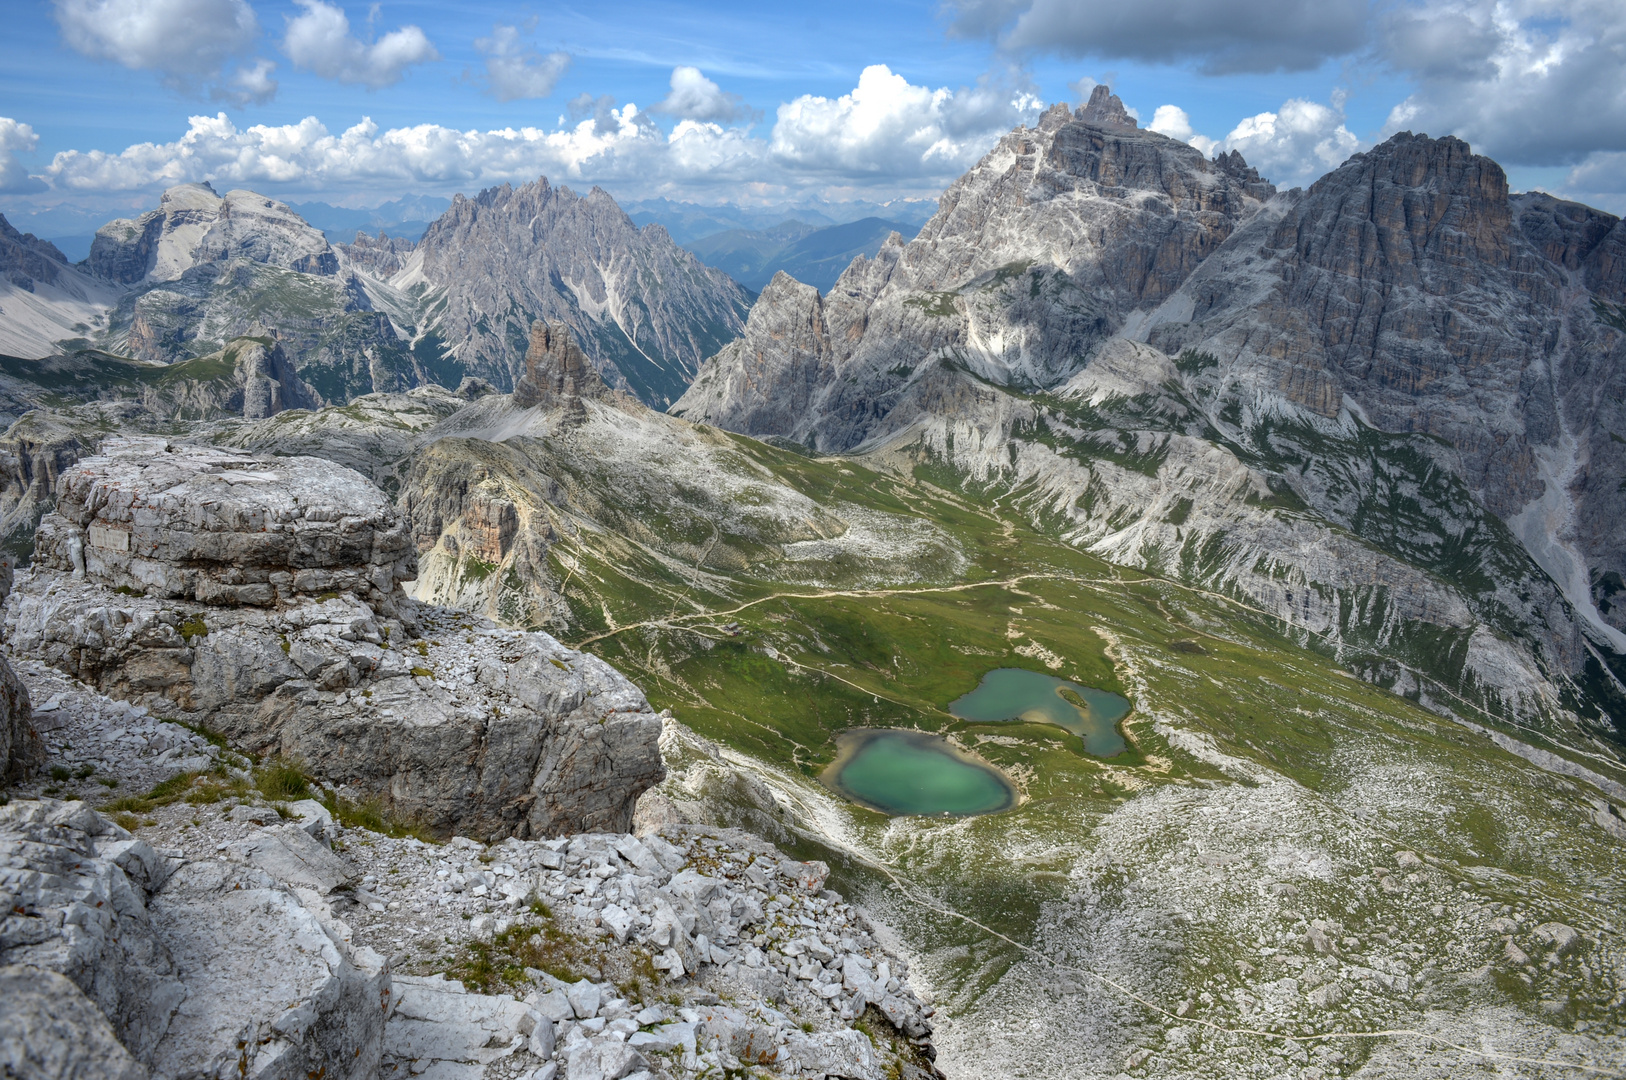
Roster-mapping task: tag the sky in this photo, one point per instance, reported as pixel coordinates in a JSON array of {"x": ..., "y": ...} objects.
[{"x": 104, "y": 103}]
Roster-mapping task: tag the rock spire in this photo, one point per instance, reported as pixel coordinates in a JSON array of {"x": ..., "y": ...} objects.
[{"x": 556, "y": 373}]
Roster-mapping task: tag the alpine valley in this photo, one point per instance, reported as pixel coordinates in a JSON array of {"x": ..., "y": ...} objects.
[{"x": 1325, "y": 482}]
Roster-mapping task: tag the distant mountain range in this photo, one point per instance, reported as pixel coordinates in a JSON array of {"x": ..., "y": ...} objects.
[
  {"x": 182, "y": 281},
  {"x": 811, "y": 255}
]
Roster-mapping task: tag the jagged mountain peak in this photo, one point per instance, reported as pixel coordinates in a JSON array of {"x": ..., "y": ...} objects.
[
  {"x": 1036, "y": 254},
  {"x": 1106, "y": 109},
  {"x": 645, "y": 311}
]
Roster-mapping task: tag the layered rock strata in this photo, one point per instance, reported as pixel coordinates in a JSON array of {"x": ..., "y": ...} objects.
[
  {"x": 195, "y": 967},
  {"x": 482, "y": 731}
]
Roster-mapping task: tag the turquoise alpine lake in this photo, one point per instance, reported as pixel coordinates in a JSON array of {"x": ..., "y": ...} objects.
[
  {"x": 911, "y": 773},
  {"x": 1017, "y": 694}
]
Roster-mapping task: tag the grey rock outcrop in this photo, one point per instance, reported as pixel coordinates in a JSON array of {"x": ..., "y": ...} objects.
[
  {"x": 196, "y": 968},
  {"x": 261, "y": 596},
  {"x": 556, "y": 373},
  {"x": 176, "y": 520},
  {"x": 645, "y": 310}
]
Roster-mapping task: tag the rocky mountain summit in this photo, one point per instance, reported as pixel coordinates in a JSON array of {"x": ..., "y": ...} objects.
[
  {"x": 182, "y": 281},
  {"x": 645, "y": 310},
  {"x": 1035, "y": 257}
]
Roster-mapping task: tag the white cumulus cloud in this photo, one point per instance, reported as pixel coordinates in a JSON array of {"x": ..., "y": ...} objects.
[
  {"x": 319, "y": 40},
  {"x": 1295, "y": 144},
  {"x": 1175, "y": 122},
  {"x": 889, "y": 126},
  {"x": 187, "y": 42},
  {"x": 515, "y": 70},
  {"x": 695, "y": 97},
  {"x": 14, "y": 137},
  {"x": 252, "y": 85},
  {"x": 887, "y": 136}
]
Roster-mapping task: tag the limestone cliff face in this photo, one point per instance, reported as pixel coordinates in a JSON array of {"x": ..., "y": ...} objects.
[
  {"x": 646, "y": 311},
  {"x": 1035, "y": 256},
  {"x": 1407, "y": 288}
]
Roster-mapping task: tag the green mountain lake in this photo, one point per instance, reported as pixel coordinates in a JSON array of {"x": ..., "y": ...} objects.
[
  {"x": 1017, "y": 694},
  {"x": 902, "y": 772}
]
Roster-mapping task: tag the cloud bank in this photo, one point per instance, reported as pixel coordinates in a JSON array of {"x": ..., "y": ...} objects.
[
  {"x": 1221, "y": 36},
  {"x": 887, "y": 132}
]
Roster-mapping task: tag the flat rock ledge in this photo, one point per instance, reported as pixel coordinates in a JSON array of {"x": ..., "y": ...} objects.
[{"x": 202, "y": 608}]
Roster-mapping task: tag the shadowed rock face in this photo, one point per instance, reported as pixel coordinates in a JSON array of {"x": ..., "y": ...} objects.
[{"x": 25, "y": 258}]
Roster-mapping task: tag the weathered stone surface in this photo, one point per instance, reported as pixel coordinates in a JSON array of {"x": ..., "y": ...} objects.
[
  {"x": 201, "y": 968},
  {"x": 289, "y": 854},
  {"x": 514, "y": 733},
  {"x": 78, "y": 887},
  {"x": 261, "y": 969},
  {"x": 49, "y": 1030},
  {"x": 178, "y": 520}
]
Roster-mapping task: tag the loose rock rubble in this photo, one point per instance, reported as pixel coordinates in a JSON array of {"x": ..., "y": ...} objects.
[{"x": 676, "y": 954}]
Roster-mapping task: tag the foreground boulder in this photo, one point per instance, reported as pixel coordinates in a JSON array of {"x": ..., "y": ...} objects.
[
  {"x": 181, "y": 521},
  {"x": 261, "y": 597},
  {"x": 127, "y": 960}
]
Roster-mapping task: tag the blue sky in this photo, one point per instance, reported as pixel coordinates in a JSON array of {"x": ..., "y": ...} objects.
[{"x": 105, "y": 102}]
